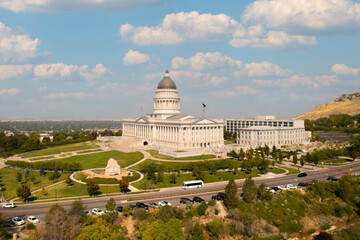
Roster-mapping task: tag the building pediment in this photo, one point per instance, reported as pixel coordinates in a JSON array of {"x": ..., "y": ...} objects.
[
  {"x": 205, "y": 121},
  {"x": 141, "y": 120}
]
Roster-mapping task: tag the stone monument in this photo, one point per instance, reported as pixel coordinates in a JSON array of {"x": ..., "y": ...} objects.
[{"x": 112, "y": 168}]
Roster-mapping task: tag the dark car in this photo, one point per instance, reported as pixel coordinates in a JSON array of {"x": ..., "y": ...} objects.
[
  {"x": 198, "y": 199},
  {"x": 332, "y": 178},
  {"x": 141, "y": 205},
  {"x": 185, "y": 200},
  {"x": 152, "y": 204},
  {"x": 275, "y": 189},
  {"x": 303, "y": 174},
  {"x": 119, "y": 208},
  {"x": 132, "y": 206},
  {"x": 301, "y": 184},
  {"x": 219, "y": 196}
]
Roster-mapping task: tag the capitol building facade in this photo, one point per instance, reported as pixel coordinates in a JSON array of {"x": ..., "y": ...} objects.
[{"x": 167, "y": 127}]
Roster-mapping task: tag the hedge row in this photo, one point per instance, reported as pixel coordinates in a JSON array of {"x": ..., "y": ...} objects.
[{"x": 46, "y": 165}]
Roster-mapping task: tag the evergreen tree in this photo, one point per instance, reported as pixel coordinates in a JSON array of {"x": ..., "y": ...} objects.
[
  {"x": 110, "y": 205},
  {"x": 42, "y": 171},
  {"x": 173, "y": 178},
  {"x": 242, "y": 153},
  {"x": 26, "y": 175},
  {"x": 249, "y": 190},
  {"x": 302, "y": 162},
  {"x": 18, "y": 177},
  {"x": 231, "y": 199},
  {"x": 160, "y": 177},
  {"x": 295, "y": 159}
]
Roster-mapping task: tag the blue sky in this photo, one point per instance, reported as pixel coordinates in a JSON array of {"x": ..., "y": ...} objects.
[{"x": 103, "y": 59}]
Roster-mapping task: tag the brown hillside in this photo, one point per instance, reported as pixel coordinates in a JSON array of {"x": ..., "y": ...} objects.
[{"x": 341, "y": 105}]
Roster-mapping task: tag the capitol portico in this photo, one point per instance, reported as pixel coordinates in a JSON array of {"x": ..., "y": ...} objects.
[{"x": 167, "y": 127}]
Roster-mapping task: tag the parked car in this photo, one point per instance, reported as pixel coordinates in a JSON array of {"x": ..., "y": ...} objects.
[
  {"x": 33, "y": 219},
  {"x": 153, "y": 204},
  {"x": 141, "y": 205},
  {"x": 198, "y": 199},
  {"x": 219, "y": 196},
  {"x": 18, "y": 221},
  {"x": 132, "y": 206},
  {"x": 275, "y": 189},
  {"x": 185, "y": 200},
  {"x": 332, "y": 178},
  {"x": 9, "y": 205},
  {"x": 119, "y": 208},
  {"x": 302, "y": 184},
  {"x": 163, "y": 203},
  {"x": 303, "y": 174},
  {"x": 97, "y": 211},
  {"x": 282, "y": 188},
  {"x": 308, "y": 183},
  {"x": 87, "y": 213},
  {"x": 291, "y": 187}
]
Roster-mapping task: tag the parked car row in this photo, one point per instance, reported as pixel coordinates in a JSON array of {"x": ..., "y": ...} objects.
[
  {"x": 185, "y": 200},
  {"x": 18, "y": 221}
]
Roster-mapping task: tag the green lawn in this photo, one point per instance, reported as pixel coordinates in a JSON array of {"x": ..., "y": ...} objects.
[
  {"x": 276, "y": 170},
  {"x": 230, "y": 141},
  {"x": 60, "y": 149},
  {"x": 339, "y": 161},
  {"x": 99, "y": 160},
  {"x": 62, "y": 190},
  {"x": 291, "y": 170},
  {"x": 156, "y": 154},
  {"x": 219, "y": 176},
  {"x": 177, "y": 164},
  {"x": 9, "y": 184}
]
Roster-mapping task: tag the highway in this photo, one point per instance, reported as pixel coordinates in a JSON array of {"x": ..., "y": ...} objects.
[{"x": 174, "y": 194}]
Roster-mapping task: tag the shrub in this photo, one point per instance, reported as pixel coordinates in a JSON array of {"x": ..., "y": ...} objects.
[
  {"x": 126, "y": 210},
  {"x": 140, "y": 213},
  {"x": 202, "y": 208},
  {"x": 216, "y": 211},
  {"x": 326, "y": 226},
  {"x": 30, "y": 226},
  {"x": 215, "y": 228},
  {"x": 311, "y": 231},
  {"x": 212, "y": 202}
]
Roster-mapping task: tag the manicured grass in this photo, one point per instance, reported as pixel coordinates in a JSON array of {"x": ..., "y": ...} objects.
[
  {"x": 201, "y": 157},
  {"x": 276, "y": 170},
  {"x": 229, "y": 141},
  {"x": 62, "y": 190},
  {"x": 104, "y": 180},
  {"x": 156, "y": 154},
  {"x": 177, "y": 164},
  {"x": 99, "y": 160},
  {"x": 339, "y": 161},
  {"x": 80, "y": 176},
  {"x": 291, "y": 170},
  {"x": 60, "y": 149},
  {"x": 9, "y": 184},
  {"x": 132, "y": 178},
  {"x": 219, "y": 176}
]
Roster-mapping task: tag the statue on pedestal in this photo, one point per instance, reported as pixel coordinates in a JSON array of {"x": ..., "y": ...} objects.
[{"x": 112, "y": 168}]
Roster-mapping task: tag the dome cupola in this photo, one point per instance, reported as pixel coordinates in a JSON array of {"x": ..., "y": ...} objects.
[{"x": 166, "y": 82}]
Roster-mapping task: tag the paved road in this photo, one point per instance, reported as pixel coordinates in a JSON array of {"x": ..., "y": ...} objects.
[{"x": 172, "y": 195}]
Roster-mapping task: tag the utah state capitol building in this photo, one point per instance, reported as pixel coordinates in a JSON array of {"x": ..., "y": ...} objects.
[{"x": 167, "y": 127}]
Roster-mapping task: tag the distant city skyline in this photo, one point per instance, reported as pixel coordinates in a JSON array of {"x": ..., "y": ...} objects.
[{"x": 104, "y": 59}]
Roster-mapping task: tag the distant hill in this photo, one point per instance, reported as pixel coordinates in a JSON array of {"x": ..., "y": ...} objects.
[{"x": 345, "y": 104}]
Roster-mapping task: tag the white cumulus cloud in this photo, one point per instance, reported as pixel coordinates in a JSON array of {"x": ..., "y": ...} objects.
[
  {"x": 306, "y": 16},
  {"x": 262, "y": 69},
  {"x": 9, "y": 92},
  {"x": 75, "y": 5},
  {"x": 78, "y": 95},
  {"x": 16, "y": 48},
  {"x": 63, "y": 70},
  {"x": 342, "y": 69},
  {"x": 180, "y": 27},
  {"x": 135, "y": 57},
  {"x": 210, "y": 60},
  {"x": 296, "y": 80},
  {"x": 14, "y": 71},
  {"x": 272, "y": 39}
]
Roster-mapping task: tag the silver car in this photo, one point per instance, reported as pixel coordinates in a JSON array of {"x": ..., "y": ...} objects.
[{"x": 18, "y": 221}]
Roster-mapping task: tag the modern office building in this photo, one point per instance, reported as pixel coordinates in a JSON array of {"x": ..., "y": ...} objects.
[
  {"x": 167, "y": 127},
  {"x": 267, "y": 130}
]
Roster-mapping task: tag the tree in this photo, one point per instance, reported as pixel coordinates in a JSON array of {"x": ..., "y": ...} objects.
[
  {"x": 78, "y": 209},
  {"x": 249, "y": 190},
  {"x": 295, "y": 159},
  {"x": 23, "y": 191},
  {"x": 160, "y": 176},
  {"x": 118, "y": 133},
  {"x": 19, "y": 177},
  {"x": 92, "y": 187},
  {"x": 200, "y": 175},
  {"x": 354, "y": 154},
  {"x": 110, "y": 205},
  {"x": 316, "y": 158},
  {"x": 202, "y": 209},
  {"x": 173, "y": 178},
  {"x": 32, "y": 176},
  {"x": 302, "y": 162},
  {"x": 323, "y": 236},
  {"x": 26, "y": 175},
  {"x": 280, "y": 156},
  {"x": 241, "y": 154},
  {"x": 93, "y": 136},
  {"x": 231, "y": 199},
  {"x": 46, "y": 140},
  {"x": 266, "y": 150},
  {"x": 42, "y": 171},
  {"x": 263, "y": 193},
  {"x": 123, "y": 185},
  {"x": 233, "y": 154},
  {"x": 195, "y": 232},
  {"x": 68, "y": 181},
  {"x": 56, "y": 224},
  {"x": 274, "y": 152},
  {"x": 54, "y": 208}
]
